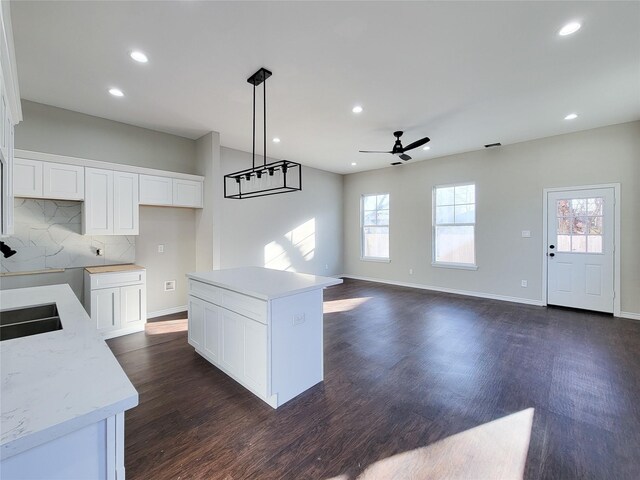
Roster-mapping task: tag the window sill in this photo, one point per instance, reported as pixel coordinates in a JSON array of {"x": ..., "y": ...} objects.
[
  {"x": 373, "y": 259},
  {"x": 459, "y": 266}
]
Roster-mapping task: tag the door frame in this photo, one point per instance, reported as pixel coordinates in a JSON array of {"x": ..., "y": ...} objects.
[{"x": 616, "y": 238}]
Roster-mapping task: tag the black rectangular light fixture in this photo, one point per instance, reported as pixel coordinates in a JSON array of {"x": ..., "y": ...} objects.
[{"x": 280, "y": 176}]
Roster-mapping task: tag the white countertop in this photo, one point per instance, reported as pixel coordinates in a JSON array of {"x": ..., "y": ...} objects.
[
  {"x": 57, "y": 382},
  {"x": 264, "y": 283}
]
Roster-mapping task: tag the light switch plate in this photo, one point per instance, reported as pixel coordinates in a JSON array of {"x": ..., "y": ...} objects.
[
  {"x": 160, "y": 248},
  {"x": 526, "y": 233}
]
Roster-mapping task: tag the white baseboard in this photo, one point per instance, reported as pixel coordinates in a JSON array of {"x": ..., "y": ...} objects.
[
  {"x": 490, "y": 296},
  {"x": 631, "y": 315},
  {"x": 167, "y": 311}
]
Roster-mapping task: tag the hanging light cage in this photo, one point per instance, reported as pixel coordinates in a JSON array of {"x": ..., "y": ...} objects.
[{"x": 281, "y": 176}]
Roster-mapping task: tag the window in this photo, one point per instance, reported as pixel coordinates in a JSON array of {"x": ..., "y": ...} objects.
[
  {"x": 580, "y": 225},
  {"x": 374, "y": 220},
  {"x": 454, "y": 220}
]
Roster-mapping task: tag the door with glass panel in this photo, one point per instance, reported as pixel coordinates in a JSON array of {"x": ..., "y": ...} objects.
[{"x": 580, "y": 249}]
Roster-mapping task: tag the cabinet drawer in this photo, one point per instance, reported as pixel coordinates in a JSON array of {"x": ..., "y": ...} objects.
[
  {"x": 119, "y": 279},
  {"x": 236, "y": 302}
]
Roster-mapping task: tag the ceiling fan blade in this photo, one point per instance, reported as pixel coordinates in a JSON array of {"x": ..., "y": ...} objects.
[
  {"x": 416, "y": 144},
  {"x": 372, "y": 151},
  {"x": 404, "y": 157}
]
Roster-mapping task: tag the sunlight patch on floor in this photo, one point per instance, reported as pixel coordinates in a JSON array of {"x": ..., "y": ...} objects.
[
  {"x": 496, "y": 449},
  {"x": 169, "y": 326},
  {"x": 334, "y": 306}
]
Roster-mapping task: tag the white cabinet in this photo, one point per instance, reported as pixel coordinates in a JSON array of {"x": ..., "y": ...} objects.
[
  {"x": 125, "y": 199},
  {"x": 36, "y": 179},
  {"x": 187, "y": 193},
  {"x": 156, "y": 190},
  {"x": 62, "y": 182},
  {"x": 167, "y": 191},
  {"x": 116, "y": 301},
  {"x": 111, "y": 203},
  {"x": 27, "y": 178}
]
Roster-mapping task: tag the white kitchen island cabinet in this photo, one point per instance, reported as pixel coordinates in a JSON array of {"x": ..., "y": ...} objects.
[{"x": 261, "y": 327}]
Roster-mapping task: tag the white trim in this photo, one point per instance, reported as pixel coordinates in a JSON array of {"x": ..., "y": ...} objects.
[
  {"x": 8, "y": 64},
  {"x": 167, "y": 311},
  {"x": 375, "y": 259},
  {"x": 459, "y": 266},
  {"x": 631, "y": 315},
  {"x": 124, "y": 331},
  {"x": 616, "y": 239},
  {"x": 468, "y": 293},
  {"x": 121, "y": 167}
]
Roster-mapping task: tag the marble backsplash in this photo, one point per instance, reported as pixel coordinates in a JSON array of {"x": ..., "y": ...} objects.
[{"x": 48, "y": 234}]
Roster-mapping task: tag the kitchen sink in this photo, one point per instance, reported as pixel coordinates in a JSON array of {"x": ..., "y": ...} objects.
[{"x": 23, "y": 322}]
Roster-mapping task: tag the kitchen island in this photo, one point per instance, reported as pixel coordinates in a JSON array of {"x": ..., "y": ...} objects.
[
  {"x": 63, "y": 392},
  {"x": 261, "y": 327}
]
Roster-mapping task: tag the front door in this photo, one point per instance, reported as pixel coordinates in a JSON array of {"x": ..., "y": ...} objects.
[{"x": 580, "y": 248}]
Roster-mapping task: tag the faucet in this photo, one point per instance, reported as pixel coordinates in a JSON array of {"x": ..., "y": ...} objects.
[{"x": 6, "y": 250}]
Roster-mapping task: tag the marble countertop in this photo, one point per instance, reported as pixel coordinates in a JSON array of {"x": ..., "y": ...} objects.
[
  {"x": 113, "y": 268},
  {"x": 264, "y": 283},
  {"x": 57, "y": 382}
]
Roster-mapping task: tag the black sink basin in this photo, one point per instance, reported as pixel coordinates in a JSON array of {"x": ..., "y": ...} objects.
[{"x": 23, "y": 322}]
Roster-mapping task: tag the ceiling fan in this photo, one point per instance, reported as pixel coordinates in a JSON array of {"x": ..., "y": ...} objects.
[{"x": 398, "y": 149}]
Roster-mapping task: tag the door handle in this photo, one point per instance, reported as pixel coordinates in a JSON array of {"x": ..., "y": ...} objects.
[
  {"x": 552, "y": 254},
  {"x": 552, "y": 246}
]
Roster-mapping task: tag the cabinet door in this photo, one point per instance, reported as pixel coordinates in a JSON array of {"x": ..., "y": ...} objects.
[
  {"x": 212, "y": 327},
  {"x": 232, "y": 342},
  {"x": 133, "y": 301},
  {"x": 105, "y": 308},
  {"x": 27, "y": 178},
  {"x": 196, "y": 322},
  {"x": 187, "y": 193},
  {"x": 255, "y": 355},
  {"x": 125, "y": 208},
  {"x": 63, "y": 182},
  {"x": 97, "y": 211},
  {"x": 156, "y": 190}
]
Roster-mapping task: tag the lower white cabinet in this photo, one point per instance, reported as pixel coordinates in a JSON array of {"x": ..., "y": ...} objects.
[{"x": 116, "y": 301}]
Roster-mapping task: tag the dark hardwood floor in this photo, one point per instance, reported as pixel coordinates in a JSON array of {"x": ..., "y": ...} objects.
[{"x": 404, "y": 368}]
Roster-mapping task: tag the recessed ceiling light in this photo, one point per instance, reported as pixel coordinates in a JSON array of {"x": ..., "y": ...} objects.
[
  {"x": 353, "y": 164},
  {"x": 569, "y": 28},
  {"x": 138, "y": 56},
  {"x": 357, "y": 109},
  {"x": 426, "y": 148},
  {"x": 571, "y": 116},
  {"x": 116, "y": 92},
  {"x": 276, "y": 140}
]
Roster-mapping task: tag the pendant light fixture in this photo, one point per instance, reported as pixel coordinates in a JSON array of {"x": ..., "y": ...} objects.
[{"x": 281, "y": 176}]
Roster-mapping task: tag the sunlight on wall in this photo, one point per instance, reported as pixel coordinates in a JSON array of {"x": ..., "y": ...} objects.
[
  {"x": 334, "y": 306},
  {"x": 297, "y": 245},
  {"x": 496, "y": 449}
]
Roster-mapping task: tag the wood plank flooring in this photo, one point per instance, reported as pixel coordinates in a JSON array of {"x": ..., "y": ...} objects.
[{"x": 404, "y": 368}]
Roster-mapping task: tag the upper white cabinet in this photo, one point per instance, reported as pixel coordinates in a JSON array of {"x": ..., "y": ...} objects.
[
  {"x": 187, "y": 193},
  {"x": 170, "y": 192},
  {"x": 27, "y": 178},
  {"x": 58, "y": 181},
  {"x": 155, "y": 190},
  {"x": 62, "y": 182},
  {"x": 111, "y": 203}
]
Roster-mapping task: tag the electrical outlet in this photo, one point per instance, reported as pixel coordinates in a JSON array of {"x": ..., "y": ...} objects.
[
  {"x": 326, "y": 266},
  {"x": 298, "y": 318},
  {"x": 160, "y": 248},
  {"x": 523, "y": 283},
  {"x": 411, "y": 271},
  {"x": 526, "y": 233},
  {"x": 99, "y": 252},
  {"x": 169, "y": 285}
]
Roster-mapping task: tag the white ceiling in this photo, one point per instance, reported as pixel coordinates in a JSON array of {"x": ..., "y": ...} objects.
[{"x": 464, "y": 74}]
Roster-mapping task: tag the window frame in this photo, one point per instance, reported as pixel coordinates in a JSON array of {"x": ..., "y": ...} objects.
[
  {"x": 362, "y": 227},
  {"x": 434, "y": 205}
]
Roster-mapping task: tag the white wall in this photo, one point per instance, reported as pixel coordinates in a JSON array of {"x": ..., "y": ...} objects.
[
  {"x": 63, "y": 132},
  {"x": 54, "y": 130},
  {"x": 300, "y": 231},
  {"x": 509, "y": 196}
]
